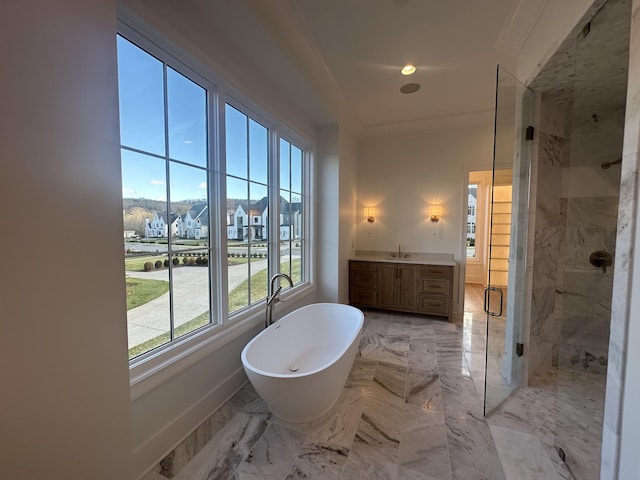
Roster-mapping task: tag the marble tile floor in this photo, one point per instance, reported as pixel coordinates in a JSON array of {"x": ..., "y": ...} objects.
[{"x": 412, "y": 409}]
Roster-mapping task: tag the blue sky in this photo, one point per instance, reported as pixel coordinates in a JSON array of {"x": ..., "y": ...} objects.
[{"x": 142, "y": 104}]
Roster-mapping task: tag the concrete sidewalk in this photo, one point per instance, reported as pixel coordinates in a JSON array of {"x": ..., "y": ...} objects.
[{"x": 190, "y": 299}]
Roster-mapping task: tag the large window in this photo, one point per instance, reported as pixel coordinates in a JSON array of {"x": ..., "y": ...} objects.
[{"x": 177, "y": 258}]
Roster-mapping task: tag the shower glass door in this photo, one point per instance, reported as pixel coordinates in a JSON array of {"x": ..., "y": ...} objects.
[{"x": 503, "y": 302}]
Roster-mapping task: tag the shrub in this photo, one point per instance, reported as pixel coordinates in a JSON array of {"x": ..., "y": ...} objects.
[
  {"x": 148, "y": 266},
  {"x": 166, "y": 262},
  {"x": 158, "y": 264},
  {"x": 244, "y": 255},
  {"x": 192, "y": 261},
  {"x": 185, "y": 260},
  {"x": 175, "y": 260},
  {"x": 205, "y": 261},
  {"x": 199, "y": 260}
]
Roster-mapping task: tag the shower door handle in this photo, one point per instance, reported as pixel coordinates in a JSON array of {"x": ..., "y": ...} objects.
[{"x": 486, "y": 301}]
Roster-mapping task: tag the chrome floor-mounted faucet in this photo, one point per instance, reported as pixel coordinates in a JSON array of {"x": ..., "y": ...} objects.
[{"x": 272, "y": 297}]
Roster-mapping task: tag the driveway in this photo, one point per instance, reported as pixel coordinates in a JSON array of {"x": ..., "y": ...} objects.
[{"x": 190, "y": 299}]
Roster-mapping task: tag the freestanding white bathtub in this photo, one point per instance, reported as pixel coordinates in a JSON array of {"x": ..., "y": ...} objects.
[{"x": 300, "y": 364}]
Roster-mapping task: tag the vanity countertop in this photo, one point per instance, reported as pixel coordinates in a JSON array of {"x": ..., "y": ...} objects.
[{"x": 411, "y": 259}]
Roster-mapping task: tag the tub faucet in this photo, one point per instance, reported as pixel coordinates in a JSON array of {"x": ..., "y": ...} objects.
[{"x": 272, "y": 297}]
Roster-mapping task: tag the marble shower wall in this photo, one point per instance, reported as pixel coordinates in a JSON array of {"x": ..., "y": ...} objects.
[{"x": 550, "y": 225}]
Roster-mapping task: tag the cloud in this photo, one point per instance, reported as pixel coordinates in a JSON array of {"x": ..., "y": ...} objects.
[
  {"x": 157, "y": 182},
  {"x": 188, "y": 142},
  {"x": 202, "y": 185},
  {"x": 128, "y": 191}
]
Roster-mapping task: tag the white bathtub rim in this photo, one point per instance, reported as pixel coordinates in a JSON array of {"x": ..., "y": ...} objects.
[{"x": 306, "y": 373}]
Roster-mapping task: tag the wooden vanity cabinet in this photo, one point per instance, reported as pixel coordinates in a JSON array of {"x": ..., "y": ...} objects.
[
  {"x": 397, "y": 287},
  {"x": 414, "y": 287}
]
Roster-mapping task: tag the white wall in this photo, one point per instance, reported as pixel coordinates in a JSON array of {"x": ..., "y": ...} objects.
[
  {"x": 64, "y": 406},
  {"x": 327, "y": 227},
  {"x": 347, "y": 210},
  {"x": 402, "y": 174}
]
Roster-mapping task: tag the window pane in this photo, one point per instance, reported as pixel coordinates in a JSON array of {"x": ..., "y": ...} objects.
[
  {"x": 141, "y": 94},
  {"x": 296, "y": 216},
  {"x": 148, "y": 323},
  {"x": 258, "y": 152},
  {"x": 285, "y": 164},
  {"x": 238, "y": 272},
  {"x": 147, "y": 279},
  {"x": 145, "y": 178},
  {"x": 285, "y": 258},
  {"x": 189, "y": 210},
  {"x": 296, "y": 169},
  {"x": 236, "y": 139},
  {"x": 187, "y": 105},
  {"x": 237, "y": 191},
  {"x": 297, "y": 272},
  {"x": 258, "y": 275},
  {"x": 258, "y": 228},
  {"x": 190, "y": 290}
]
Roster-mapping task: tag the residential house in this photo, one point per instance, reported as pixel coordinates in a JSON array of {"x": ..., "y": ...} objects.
[
  {"x": 194, "y": 224},
  {"x": 155, "y": 228}
]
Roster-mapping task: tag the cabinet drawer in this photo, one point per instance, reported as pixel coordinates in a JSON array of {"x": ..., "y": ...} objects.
[
  {"x": 434, "y": 286},
  {"x": 363, "y": 297},
  {"x": 435, "y": 271},
  {"x": 363, "y": 266},
  {"x": 364, "y": 279},
  {"x": 433, "y": 305}
]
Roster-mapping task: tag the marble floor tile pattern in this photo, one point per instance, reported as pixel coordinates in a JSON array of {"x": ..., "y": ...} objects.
[{"x": 412, "y": 408}]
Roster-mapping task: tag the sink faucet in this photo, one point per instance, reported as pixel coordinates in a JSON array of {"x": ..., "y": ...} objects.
[
  {"x": 399, "y": 252},
  {"x": 272, "y": 297}
]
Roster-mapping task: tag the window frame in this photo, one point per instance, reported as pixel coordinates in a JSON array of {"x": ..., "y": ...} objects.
[{"x": 158, "y": 365}]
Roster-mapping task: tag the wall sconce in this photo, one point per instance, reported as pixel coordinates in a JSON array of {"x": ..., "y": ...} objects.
[
  {"x": 370, "y": 214},
  {"x": 436, "y": 212}
]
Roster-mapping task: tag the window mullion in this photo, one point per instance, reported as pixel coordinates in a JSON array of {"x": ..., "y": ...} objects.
[
  {"x": 274, "y": 216},
  {"x": 168, "y": 189}
]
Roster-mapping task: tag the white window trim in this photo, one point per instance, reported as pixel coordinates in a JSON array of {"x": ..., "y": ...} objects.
[{"x": 159, "y": 365}]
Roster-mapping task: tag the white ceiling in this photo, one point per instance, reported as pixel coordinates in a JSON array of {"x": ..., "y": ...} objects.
[
  {"x": 339, "y": 60},
  {"x": 351, "y": 52}
]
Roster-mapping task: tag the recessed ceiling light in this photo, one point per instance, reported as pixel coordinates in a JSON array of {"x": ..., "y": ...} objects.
[
  {"x": 410, "y": 88},
  {"x": 408, "y": 69}
]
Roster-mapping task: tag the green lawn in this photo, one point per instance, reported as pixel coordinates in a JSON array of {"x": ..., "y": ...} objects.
[{"x": 141, "y": 291}]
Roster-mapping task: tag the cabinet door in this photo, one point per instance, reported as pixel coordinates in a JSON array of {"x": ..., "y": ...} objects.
[
  {"x": 387, "y": 285},
  {"x": 406, "y": 287}
]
